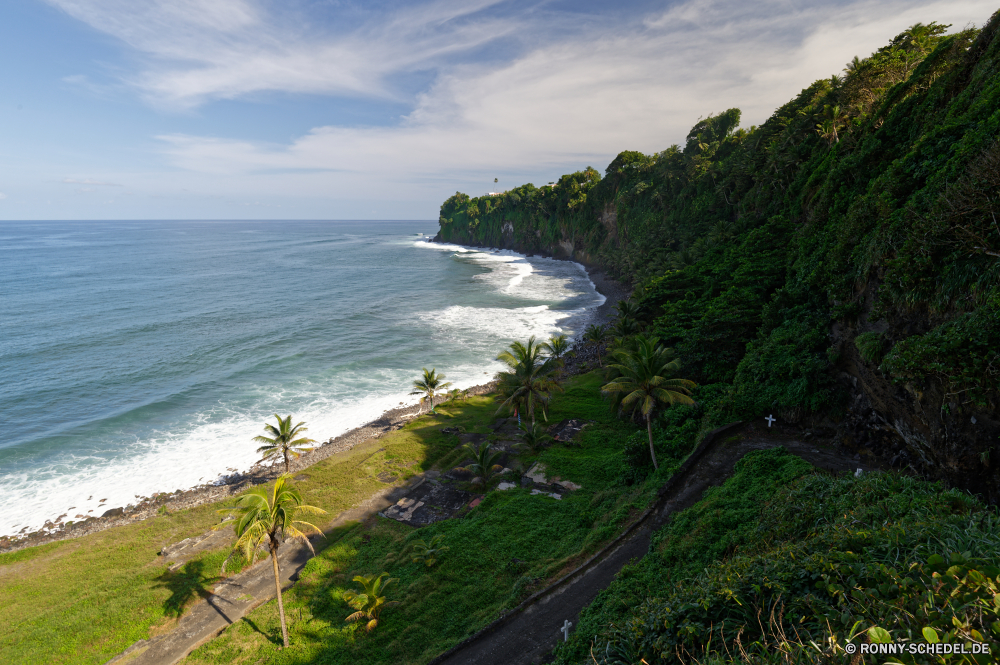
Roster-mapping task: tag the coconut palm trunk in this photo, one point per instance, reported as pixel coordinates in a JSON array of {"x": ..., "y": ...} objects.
[
  {"x": 649, "y": 430},
  {"x": 277, "y": 592},
  {"x": 272, "y": 515}
]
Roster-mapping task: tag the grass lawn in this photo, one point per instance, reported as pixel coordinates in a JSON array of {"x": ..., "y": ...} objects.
[
  {"x": 84, "y": 600},
  {"x": 509, "y": 546}
]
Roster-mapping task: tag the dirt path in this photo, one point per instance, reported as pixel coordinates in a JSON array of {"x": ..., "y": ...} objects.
[{"x": 527, "y": 636}]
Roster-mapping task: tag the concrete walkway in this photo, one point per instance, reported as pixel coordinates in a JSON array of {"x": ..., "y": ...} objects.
[
  {"x": 528, "y": 633},
  {"x": 233, "y": 598}
]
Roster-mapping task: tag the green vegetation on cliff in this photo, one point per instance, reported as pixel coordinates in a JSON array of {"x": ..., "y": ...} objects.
[
  {"x": 866, "y": 207},
  {"x": 785, "y": 564}
]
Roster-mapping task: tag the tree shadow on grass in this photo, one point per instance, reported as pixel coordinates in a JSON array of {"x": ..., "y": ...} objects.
[
  {"x": 186, "y": 584},
  {"x": 273, "y": 638}
]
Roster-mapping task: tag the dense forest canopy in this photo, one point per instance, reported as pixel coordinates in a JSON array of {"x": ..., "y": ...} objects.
[{"x": 837, "y": 265}]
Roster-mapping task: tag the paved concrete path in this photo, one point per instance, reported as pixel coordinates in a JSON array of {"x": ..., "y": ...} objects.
[
  {"x": 528, "y": 636},
  {"x": 233, "y": 598}
]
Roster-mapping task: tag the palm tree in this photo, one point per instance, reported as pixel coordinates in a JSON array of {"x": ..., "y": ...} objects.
[
  {"x": 369, "y": 603},
  {"x": 484, "y": 463},
  {"x": 557, "y": 346},
  {"x": 623, "y": 328},
  {"x": 596, "y": 335},
  {"x": 456, "y": 395},
  {"x": 642, "y": 384},
  {"x": 428, "y": 552},
  {"x": 265, "y": 520},
  {"x": 428, "y": 385},
  {"x": 627, "y": 309},
  {"x": 529, "y": 381},
  {"x": 282, "y": 440},
  {"x": 833, "y": 118},
  {"x": 534, "y": 438}
]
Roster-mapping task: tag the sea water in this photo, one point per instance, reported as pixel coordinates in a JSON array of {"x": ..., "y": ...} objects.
[{"x": 143, "y": 357}]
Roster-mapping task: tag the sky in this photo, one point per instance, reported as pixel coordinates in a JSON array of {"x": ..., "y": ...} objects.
[{"x": 322, "y": 109}]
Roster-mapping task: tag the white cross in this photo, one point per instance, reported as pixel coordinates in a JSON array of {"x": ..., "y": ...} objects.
[
  {"x": 770, "y": 419},
  {"x": 565, "y": 629}
]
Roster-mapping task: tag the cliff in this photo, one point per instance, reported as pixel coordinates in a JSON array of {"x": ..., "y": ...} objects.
[{"x": 839, "y": 265}]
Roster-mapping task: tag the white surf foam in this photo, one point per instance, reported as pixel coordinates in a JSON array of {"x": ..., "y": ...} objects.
[
  {"x": 217, "y": 441},
  {"x": 215, "y": 444}
]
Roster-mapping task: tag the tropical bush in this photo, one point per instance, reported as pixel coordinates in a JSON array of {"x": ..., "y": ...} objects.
[{"x": 786, "y": 564}]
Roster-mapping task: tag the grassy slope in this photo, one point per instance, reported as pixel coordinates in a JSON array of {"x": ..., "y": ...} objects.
[
  {"x": 83, "y": 600},
  {"x": 808, "y": 554},
  {"x": 501, "y": 552}
]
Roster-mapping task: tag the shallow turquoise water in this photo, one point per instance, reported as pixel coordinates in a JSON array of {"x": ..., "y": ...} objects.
[{"x": 138, "y": 357}]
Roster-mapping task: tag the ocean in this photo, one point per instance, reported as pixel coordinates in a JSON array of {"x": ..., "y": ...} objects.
[{"x": 143, "y": 357}]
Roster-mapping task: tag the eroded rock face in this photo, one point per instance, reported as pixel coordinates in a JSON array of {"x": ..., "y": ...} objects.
[{"x": 920, "y": 426}]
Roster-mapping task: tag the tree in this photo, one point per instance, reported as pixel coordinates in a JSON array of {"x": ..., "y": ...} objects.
[
  {"x": 557, "y": 346},
  {"x": 282, "y": 440},
  {"x": 627, "y": 309},
  {"x": 623, "y": 328},
  {"x": 428, "y": 552},
  {"x": 484, "y": 463},
  {"x": 533, "y": 438},
  {"x": 265, "y": 519},
  {"x": 455, "y": 395},
  {"x": 642, "y": 384},
  {"x": 529, "y": 381},
  {"x": 370, "y": 602},
  {"x": 428, "y": 385},
  {"x": 833, "y": 119},
  {"x": 596, "y": 335}
]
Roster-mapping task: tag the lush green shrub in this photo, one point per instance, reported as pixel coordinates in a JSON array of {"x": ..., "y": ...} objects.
[
  {"x": 786, "y": 570},
  {"x": 963, "y": 354},
  {"x": 871, "y": 345}
]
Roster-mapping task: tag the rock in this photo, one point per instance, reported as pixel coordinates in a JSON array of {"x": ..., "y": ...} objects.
[
  {"x": 506, "y": 486},
  {"x": 526, "y": 481},
  {"x": 114, "y": 512}
]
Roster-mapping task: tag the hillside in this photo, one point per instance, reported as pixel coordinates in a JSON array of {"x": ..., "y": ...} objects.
[{"x": 837, "y": 265}]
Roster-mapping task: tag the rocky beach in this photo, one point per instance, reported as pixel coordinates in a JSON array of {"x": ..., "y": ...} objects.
[{"x": 145, "y": 507}]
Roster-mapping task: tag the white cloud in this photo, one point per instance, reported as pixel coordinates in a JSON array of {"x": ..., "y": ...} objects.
[
  {"x": 88, "y": 181},
  {"x": 200, "y": 50},
  {"x": 2, "y": 196},
  {"x": 584, "y": 99},
  {"x": 574, "y": 92}
]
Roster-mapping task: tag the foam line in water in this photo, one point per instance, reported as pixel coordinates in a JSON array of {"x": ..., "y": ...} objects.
[{"x": 202, "y": 425}]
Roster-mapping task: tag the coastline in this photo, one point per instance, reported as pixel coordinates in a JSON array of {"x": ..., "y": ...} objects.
[
  {"x": 146, "y": 507},
  {"x": 612, "y": 290},
  {"x": 258, "y": 474},
  {"x": 392, "y": 419}
]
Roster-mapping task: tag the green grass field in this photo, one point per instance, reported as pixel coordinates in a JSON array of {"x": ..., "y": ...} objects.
[
  {"x": 84, "y": 600},
  {"x": 509, "y": 546}
]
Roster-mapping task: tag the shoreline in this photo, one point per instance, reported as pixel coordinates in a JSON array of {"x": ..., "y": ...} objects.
[
  {"x": 232, "y": 484},
  {"x": 390, "y": 420}
]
